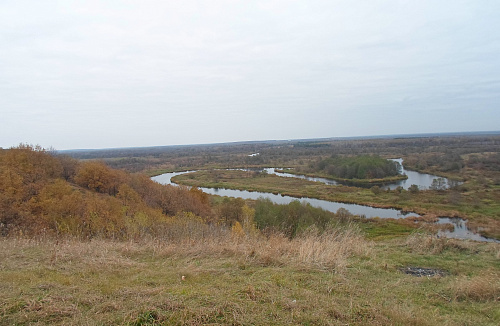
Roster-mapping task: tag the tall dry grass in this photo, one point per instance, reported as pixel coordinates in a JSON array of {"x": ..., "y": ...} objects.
[
  {"x": 328, "y": 250},
  {"x": 431, "y": 244},
  {"x": 191, "y": 237},
  {"x": 484, "y": 287}
]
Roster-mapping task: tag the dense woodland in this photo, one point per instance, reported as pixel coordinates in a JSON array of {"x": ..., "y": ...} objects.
[{"x": 357, "y": 167}]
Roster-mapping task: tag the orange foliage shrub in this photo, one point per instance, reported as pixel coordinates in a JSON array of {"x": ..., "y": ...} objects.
[
  {"x": 37, "y": 195},
  {"x": 99, "y": 177}
]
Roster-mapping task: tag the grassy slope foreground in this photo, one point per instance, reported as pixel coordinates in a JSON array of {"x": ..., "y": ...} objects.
[{"x": 240, "y": 281}]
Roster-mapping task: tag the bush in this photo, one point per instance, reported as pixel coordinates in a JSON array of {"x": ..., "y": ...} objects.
[
  {"x": 37, "y": 195},
  {"x": 295, "y": 217},
  {"x": 413, "y": 189},
  {"x": 375, "y": 189}
]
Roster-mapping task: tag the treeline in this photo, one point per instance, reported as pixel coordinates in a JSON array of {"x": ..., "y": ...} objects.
[
  {"x": 442, "y": 162},
  {"x": 485, "y": 162},
  {"x": 293, "y": 153},
  {"x": 358, "y": 167},
  {"x": 452, "y": 162},
  {"x": 176, "y": 158}
]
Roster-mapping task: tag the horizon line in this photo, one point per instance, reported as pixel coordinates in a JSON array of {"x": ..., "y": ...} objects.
[{"x": 412, "y": 135}]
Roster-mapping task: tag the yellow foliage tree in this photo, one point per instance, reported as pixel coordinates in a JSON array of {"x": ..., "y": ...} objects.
[
  {"x": 248, "y": 215},
  {"x": 237, "y": 231}
]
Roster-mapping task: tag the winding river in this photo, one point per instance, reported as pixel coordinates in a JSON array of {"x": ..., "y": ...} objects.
[
  {"x": 422, "y": 180},
  {"x": 460, "y": 227}
]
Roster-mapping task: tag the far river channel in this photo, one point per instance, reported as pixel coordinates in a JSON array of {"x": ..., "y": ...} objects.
[{"x": 422, "y": 180}]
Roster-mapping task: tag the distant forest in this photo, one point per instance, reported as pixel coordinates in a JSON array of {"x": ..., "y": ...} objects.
[{"x": 437, "y": 153}]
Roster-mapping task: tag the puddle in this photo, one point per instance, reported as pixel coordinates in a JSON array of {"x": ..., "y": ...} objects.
[{"x": 460, "y": 230}]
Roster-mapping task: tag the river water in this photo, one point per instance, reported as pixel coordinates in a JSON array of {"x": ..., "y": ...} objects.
[
  {"x": 460, "y": 227},
  {"x": 281, "y": 199},
  {"x": 422, "y": 180}
]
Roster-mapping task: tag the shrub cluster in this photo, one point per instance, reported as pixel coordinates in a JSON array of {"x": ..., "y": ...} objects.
[
  {"x": 44, "y": 192},
  {"x": 295, "y": 217}
]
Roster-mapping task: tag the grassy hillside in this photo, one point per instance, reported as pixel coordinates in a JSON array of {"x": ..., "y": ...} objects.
[
  {"x": 335, "y": 280},
  {"x": 45, "y": 193}
]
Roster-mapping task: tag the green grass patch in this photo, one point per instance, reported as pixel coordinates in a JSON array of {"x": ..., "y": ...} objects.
[{"x": 380, "y": 229}]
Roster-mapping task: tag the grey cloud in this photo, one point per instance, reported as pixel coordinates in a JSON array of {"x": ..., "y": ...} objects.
[{"x": 179, "y": 72}]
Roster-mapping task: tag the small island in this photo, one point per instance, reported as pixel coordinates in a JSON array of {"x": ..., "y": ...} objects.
[{"x": 355, "y": 170}]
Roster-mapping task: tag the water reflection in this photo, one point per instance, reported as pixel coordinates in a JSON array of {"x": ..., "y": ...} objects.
[
  {"x": 422, "y": 180},
  {"x": 460, "y": 230},
  {"x": 300, "y": 176}
]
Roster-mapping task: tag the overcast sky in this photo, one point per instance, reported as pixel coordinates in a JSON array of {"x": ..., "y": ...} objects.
[{"x": 100, "y": 74}]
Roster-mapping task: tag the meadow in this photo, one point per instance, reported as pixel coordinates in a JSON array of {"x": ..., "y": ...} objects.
[{"x": 337, "y": 278}]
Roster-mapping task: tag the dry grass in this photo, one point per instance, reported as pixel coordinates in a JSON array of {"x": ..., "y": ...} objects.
[
  {"x": 68, "y": 281},
  {"x": 331, "y": 248},
  {"x": 425, "y": 243},
  {"x": 328, "y": 250},
  {"x": 332, "y": 278},
  {"x": 484, "y": 287}
]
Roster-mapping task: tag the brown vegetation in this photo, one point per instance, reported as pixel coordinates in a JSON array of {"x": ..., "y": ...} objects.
[
  {"x": 41, "y": 192},
  {"x": 424, "y": 243},
  {"x": 484, "y": 287}
]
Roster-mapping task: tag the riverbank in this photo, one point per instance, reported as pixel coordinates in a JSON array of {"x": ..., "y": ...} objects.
[
  {"x": 483, "y": 216},
  {"x": 265, "y": 183}
]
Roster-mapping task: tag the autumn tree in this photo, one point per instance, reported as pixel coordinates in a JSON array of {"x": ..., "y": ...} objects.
[{"x": 97, "y": 176}]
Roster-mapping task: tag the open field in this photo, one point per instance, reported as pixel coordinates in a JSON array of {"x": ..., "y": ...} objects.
[{"x": 241, "y": 281}]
